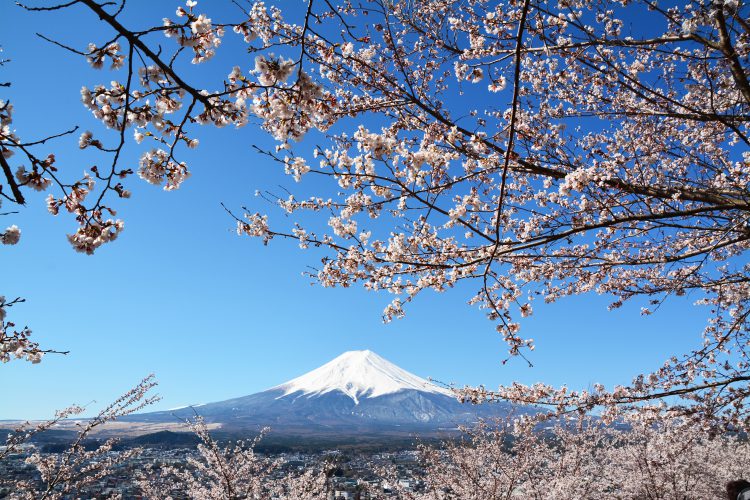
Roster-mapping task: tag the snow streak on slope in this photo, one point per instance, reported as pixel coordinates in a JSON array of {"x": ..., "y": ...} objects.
[{"x": 359, "y": 374}]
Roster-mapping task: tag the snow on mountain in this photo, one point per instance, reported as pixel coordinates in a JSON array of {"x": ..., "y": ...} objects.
[
  {"x": 186, "y": 406},
  {"x": 358, "y": 374}
]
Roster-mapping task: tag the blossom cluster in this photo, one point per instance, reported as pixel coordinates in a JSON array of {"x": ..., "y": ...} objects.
[
  {"x": 11, "y": 235},
  {"x": 196, "y": 32},
  {"x": 15, "y": 343},
  {"x": 157, "y": 168},
  {"x": 98, "y": 55}
]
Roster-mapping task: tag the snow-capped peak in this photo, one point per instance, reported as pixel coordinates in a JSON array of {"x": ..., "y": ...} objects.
[{"x": 358, "y": 374}]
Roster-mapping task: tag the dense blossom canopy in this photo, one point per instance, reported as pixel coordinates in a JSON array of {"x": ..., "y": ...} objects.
[{"x": 508, "y": 459}]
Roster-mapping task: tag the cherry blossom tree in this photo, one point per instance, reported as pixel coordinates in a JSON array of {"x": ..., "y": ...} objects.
[
  {"x": 536, "y": 149},
  {"x": 674, "y": 460},
  {"x": 582, "y": 459},
  {"x": 232, "y": 472},
  {"x": 70, "y": 473}
]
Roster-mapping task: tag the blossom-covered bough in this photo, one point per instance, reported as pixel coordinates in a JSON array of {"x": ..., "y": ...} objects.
[
  {"x": 15, "y": 343},
  {"x": 231, "y": 472},
  {"x": 537, "y": 149},
  {"x": 70, "y": 473}
]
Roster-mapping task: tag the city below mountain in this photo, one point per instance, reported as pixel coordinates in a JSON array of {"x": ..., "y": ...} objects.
[{"x": 357, "y": 394}]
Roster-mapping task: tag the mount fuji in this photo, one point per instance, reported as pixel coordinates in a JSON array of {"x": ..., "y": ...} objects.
[{"x": 357, "y": 392}]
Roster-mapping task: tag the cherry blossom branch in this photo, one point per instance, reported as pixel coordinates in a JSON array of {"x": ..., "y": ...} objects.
[{"x": 18, "y": 196}]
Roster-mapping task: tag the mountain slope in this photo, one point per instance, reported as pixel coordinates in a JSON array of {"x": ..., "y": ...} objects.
[{"x": 357, "y": 392}]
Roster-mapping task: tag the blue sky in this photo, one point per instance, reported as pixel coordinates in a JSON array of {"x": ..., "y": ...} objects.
[{"x": 214, "y": 315}]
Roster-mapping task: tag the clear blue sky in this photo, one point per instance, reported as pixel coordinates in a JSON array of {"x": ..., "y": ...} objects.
[{"x": 214, "y": 315}]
